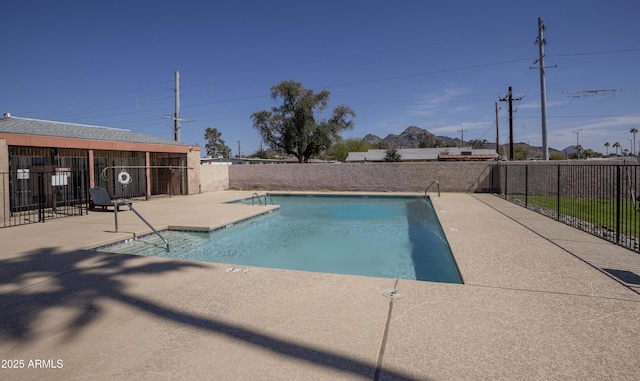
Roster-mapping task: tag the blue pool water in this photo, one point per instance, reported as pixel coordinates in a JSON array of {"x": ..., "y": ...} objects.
[{"x": 390, "y": 237}]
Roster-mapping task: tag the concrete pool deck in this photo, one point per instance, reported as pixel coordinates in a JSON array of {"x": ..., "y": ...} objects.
[{"x": 541, "y": 300}]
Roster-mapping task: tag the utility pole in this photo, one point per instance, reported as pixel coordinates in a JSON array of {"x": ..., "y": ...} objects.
[
  {"x": 497, "y": 132},
  {"x": 176, "y": 114},
  {"x": 239, "y": 149},
  {"x": 509, "y": 98},
  {"x": 578, "y": 142},
  {"x": 462, "y": 144},
  {"x": 541, "y": 42}
]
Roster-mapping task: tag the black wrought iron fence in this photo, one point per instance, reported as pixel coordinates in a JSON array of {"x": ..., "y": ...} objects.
[
  {"x": 130, "y": 181},
  {"x": 601, "y": 199},
  {"x": 36, "y": 196}
]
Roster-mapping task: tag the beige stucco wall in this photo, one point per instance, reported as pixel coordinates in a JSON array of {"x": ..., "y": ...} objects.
[
  {"x": 385, "y": 177},
  {"x": 4, "y": 156},
  {"x": 194, "y": 176},
  {"x": 214, "y": 177}
]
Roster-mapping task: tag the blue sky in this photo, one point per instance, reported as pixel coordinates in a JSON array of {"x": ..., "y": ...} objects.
[{"x": 397, "y": 64}]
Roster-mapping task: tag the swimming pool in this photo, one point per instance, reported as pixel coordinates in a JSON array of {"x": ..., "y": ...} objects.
[{"x": 390, "y": 237}]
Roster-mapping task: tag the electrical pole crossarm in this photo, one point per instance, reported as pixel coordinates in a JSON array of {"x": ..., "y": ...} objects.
[{"x": 509, "y": 98}]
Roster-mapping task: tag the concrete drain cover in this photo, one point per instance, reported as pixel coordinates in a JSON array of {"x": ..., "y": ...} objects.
[{"x": 392, "y": 294}]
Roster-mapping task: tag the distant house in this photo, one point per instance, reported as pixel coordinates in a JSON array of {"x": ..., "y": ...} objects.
[
  {"x": 425, "y": 154},
  {"x": 256, "y": 160}
]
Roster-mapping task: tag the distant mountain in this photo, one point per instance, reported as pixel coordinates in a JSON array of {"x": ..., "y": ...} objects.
[
  {"x": 410, "y": 138},
  {"x": 534, "y": 151}
]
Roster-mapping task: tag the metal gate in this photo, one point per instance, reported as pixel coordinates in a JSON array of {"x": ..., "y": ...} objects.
[{"x": 34, "y": 195}]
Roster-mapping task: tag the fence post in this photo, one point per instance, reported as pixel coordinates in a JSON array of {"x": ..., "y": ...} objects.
[
  {"x": 492, "y": 189},
  {"x": 506, "y": 177},
  {"x": 526, "y": 186},
  {"x": 84, "y": 195},
  {"x": 40, "y": 197},
  {"x": 618, "y": 192},
  {"x": 558, "y": 197}
]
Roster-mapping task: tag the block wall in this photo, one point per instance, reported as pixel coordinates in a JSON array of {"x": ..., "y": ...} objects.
[{"x": 384, "y": 177}]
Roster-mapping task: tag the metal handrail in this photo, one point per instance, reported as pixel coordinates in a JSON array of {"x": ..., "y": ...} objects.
[
  {"x": 437, "y": 183},
  {"x": 115, "y": 213},
  {"x": 256, "y": 195}
]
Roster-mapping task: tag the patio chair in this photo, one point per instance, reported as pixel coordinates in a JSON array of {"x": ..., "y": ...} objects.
[{"x": 100, "y": 197}]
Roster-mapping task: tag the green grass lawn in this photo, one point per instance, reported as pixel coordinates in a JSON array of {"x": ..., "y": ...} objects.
[{"x": 595, "y": 211}]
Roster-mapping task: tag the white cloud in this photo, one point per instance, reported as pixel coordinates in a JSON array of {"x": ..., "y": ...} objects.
[
  {"x": 429, "y": 104},
  {"x": 594, "y": 133}
]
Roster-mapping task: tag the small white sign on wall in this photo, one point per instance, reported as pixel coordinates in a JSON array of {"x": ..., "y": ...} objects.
[
  {"x": 23, "y": 174},
  {"x": 59, "y": 179}
]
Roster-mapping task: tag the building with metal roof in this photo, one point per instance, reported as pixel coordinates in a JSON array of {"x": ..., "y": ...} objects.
[
  {"x": 42, "y": 160},
  {"x": 424, "y": 154},
  {"x": 34, "y": 127}
]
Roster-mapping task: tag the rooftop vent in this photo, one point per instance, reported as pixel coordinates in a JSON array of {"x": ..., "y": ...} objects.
[{"x": 7, "y": 115}]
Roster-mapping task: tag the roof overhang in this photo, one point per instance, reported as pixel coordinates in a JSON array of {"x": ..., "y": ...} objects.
[{"x": 48, "y": 141}]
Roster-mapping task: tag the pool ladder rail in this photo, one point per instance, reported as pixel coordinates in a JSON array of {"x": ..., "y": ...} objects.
[
  {"x": 437, "y": 183},
  {"x": 257, "y": 196},
  {"x": 166, "y": 243}
]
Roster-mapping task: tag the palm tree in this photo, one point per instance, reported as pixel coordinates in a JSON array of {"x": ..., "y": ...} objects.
[
  {"x": 578, "y": 149},
  {"x": 633, "y": 149},
  {"x": 616, "y": 145},
  {"x": 606, "y": 144}
]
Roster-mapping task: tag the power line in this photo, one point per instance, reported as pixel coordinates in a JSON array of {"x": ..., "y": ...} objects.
[
  {"x": 596, "y": 53},
  {"x": 584, "y": 116},
  {"x": 592, "y": 93},
  {"x": 137, "y": 97},
  {"x": 96, "y": 99}
]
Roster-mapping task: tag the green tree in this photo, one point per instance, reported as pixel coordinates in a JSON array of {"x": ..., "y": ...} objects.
[
  {"x": 261, "y": 154},
  {"x": 477, "y": 143},
  {"x": 450, "y": 143},
  {"x": 392, "y": 155},
  {"x": 215, "y": 144},
  {"x": 556, "y": 156},
  {"x": 294, "y": 126},
  {"x": 589, "y": 153},
  {"x": 606, "y": 144},
  {"x": 429, "y": 140},
  {"x": 340, "y": 150},
  {"x": 520, "y": 152}
]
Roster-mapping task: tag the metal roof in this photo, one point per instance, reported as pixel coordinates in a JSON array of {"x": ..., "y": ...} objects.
[
  {"x": 418, "y": 154},
  {"x": 24, "y": 126}
]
